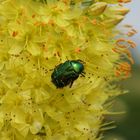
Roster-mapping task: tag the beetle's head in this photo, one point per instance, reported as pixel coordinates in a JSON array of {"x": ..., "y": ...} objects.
[{"x": 78, "y": 66}]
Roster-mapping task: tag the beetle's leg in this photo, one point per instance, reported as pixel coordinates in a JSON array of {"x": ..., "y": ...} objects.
[
  {"x": 73, "y": 79},
  {"x": 58, "y": 85},
  {"x": 71, "y": 83},
  {"x": 83, "y": 72},
  {"x": 83, "y": 75},
  {"x": 62, "y": 83}
]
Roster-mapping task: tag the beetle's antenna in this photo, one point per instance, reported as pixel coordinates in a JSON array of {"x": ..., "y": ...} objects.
[{"x": 81, "y": 61}]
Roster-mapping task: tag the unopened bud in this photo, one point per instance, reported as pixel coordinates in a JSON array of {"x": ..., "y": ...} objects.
[
  {"x": 113, "y": 21},
  {"x": 98, "y": 8},
  {"x": 116, "y": 10}
]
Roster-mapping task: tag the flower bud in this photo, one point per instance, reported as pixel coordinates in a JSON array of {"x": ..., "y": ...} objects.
[
  {"x": 98, "y": 8},
  {"x": 113, "y": 21},
  {"x": 116, "y": 10}
]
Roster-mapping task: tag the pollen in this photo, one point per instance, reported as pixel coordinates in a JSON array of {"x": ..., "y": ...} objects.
[
  {"x": 15, "y": 33},
  {"x": 77, "y": 50},
  {"x": 124, "y": 1}
]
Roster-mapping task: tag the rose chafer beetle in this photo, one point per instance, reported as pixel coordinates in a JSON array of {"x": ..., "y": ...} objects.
[{"x": 66, "y": 73}]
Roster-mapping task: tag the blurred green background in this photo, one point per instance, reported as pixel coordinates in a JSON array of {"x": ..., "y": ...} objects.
[{"x": 128, "y": 124}]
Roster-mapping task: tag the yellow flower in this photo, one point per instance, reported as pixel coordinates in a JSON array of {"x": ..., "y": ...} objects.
[{"x": 35, "y": 37}]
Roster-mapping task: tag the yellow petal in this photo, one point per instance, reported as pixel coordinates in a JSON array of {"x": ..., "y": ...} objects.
[
  {"x": 41, "y": 95},
  {"x": 11, "y": 98},
  {"x": 2, "y": 65},
  {"x": 23, "y": 129},
  {"x": 27, "y": 84},
  {"x": 35, "y": 127},
  {"x": 16, "y": 48},
  {"x": 61, "y": 22},
  {"x": 1, "y": 120},
  {"x": 34, "y": 49},
  {"x": 19, "y": 115},
  {"x": 82, "y": 126}
]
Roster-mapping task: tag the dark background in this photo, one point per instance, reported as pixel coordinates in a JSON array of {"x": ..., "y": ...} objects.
[{"x": 128, "y": 124}]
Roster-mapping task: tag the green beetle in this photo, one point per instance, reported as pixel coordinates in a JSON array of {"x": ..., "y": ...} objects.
[{"x": 66, "y": 73}]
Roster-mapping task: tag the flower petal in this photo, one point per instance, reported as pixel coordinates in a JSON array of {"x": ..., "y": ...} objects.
[
  {"x": 34, "y": 49},
  {"x": 16, "y": 48},
  {"x": 23, "y": 129},
  {"x": 35, "y": 127}
]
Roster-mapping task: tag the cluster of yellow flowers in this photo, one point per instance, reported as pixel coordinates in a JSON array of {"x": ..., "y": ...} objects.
[{"x": 35, "y": 36}]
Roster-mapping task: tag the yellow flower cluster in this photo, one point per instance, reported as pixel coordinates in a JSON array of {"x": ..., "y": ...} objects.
[{"x": 37, "y": 36}]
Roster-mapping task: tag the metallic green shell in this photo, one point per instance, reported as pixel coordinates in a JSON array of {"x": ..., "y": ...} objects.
[{"x": 66, "y": 73}]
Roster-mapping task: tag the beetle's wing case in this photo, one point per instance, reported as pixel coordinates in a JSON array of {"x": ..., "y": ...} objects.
[{"x": 61, "y": 69}]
